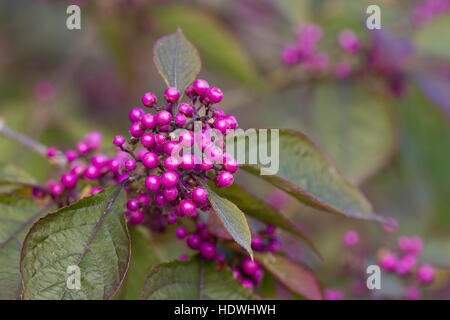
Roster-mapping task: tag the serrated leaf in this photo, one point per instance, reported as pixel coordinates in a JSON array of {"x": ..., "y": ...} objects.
[
  {"x": 92, "y": 235},
  {"x": 143, "y": 259},
  {"x": 177, "y": 60},
  {"x": 195, "y": 279},
  {"x": 429, "y": 39},
  {"x": 306, "y": 174},
  {"x": 17, "y": 214},
  {"x": 354, "y": 128},
  {"x": 232, "y": 218},
  {"x": 292, "y": 275},
  {"x": 218, "y": 46},
  {"x": 255, "y": 207}
]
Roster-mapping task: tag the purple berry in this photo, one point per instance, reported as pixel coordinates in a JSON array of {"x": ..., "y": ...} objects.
[
  {"x": 208, "y": 250},
  {"x": 169, "y": 179},
  {"x": 135, "y": 114},
  {"x": 150, "y": 160},
  {"x": 82, "y": 147},
  {"x": 224, "y": 179},
  {"x": 170, "y": 194},
  {"x": 270, "y": 230},
  {"x": 200, "y": 225},
  {"x": 190, "y": 92},
  {"x": 171, "y": 94},
  {"x": 187, "y": 161},
  {"x": 136, "y": 129},
  {"x": 186, "y": 109},
  {"x": 231, "y": 165},
  {"x": 51, "y": 152},
  {"x": 221, "y": 125},
  {"x": 206, "y": 164},
  {"x": 160, "y": 138},
  {"x": 232, "y": 122},
  {"x": 171, "y": 163},
  {"x": 349, "y": 41},
  {"x": 180, "y": 232},
  {"x": 257, "y": 276},
  {"x": 247, "y": 283},
  {"x": 249, "y": 266},
  {"x": 236, "y": 273},
  {"x": 149, "y": 99},
  {"x": 148, "y": 140},
  {"x": 71, "y": 155},
  {"x": 152, "y": 183},
  {"x": 187, "y": 207},
  {"x": 56, "y": 189},
  {"x": 93, "y": 140},
  {"x": 194, "y": 242},
  {"x": 186, "y": 139},
  {"x": 425, "y": 274},
  {"x": 388, "y": 261},
  {"x": 132, "y": 204},
  {"x": 171, "y": 147},
  {"x": 99, "y": 160},
  {"x": 130, "y": 164},
  {"x": 148, "y": 121},
  {"x": 163, "y": 117},
  {"x": 136, "y": 217},
  {"x": 96, "y": 190},
  {"x": 351, "y": 238},
  {"x": 220, "y": 258},
  {"x": 200, "y": 86},
  {"x": 69, "y": 180},
  {"x": 171, "y": 219},
  {"x": 114, "y": 164},
  {"x": 257, "y": 243},
  {"x": 143, "y": 199},
  {"x": 91, "y": 172},
  {"x": 77, "y": 169},
  {"x": 159, "y": 199},
  {"x": 118, "y": 140},
  {"x": 180, "y": 119},
  {"x": 199, "y": 195},
  {"x": 215, "y": 95}
]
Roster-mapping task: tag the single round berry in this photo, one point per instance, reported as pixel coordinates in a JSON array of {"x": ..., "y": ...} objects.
[
  {"x": 205, "y": 234},
  {"x": 69, "y": 180},
  {"x": 160, "y": 138},
  {"x": 170, "y": 194},
  {"x": 91, "y": 172},
  {"x": 231, "y": 165},
  {"x": 190, "y": 92},
  {"x": 199, "y": 195},
  {"x": 426, "y": 274},
  {"x": 257, "y": 276},
  {"x": 208, "y": 250},
  {"x": 194, "y": 242},
  {"x": 215, "y": 95},
  {"x": 171, "y": 94},
  {"x": 171, "y": 219},
  {"x": 270, "y": 230},
  {"x": 388, "y": 261},
  {"x": 149, "y": 99},
  {"x": 148, "y": 121},
  {"x": 152, "y": 183},
  {"x": 200, "y": 225},
  {"x": 150, "y": 160},
  {"x": 201, "y": 87},
  {"x": 71, "y": 155},
  {"x": 249, "y": 266},
  {"x": 232, "y": 122},
  {"x": 118, "y": 140},
  {"x": 148, "y": 140},
  {"x": 115, "y": 164},
  {"x": 136, "y": 129},
  {"x": 187, "y": 207},
  {"x": 93, "y": 140},
  {"x": 143, "y": 199},
  {"x": 169, "y": 179},
  {"x": 51, "y": 152},
  {"x": 136, "y": 217},
  {"x": 206, "y": 164},
  {"x": 171, "y": 163},
  {"x": 132, "y": 204},
  {"x": 186, "y": 139},
  {"x": 163, "y": 117},
  {"x": 160, "y": 200},
  {"x": 236, "y": 273},
  {"x": 180, "y": 119},
  {"x": 180, "y": 232},
  {"x": 257, "y": 243},
  {"x": 130, "y": 164},
  {"x": 221, "y": 125},
  {"x": 56, "y": 189},
  {"x": 82, "y": 147},
  {"x": 77, "y": 169},
  {"x": 224, "y": 179},
  {"x": 99, "y": 160},
  {"x": 351, "y": 238},
  {"x": 218, "y": 113},
  {"x": 247, "y": 283},
  {"x": 186, "y": 109},
  {"x": 135, "y": 114},
  {"x": 187, "y": 161}
]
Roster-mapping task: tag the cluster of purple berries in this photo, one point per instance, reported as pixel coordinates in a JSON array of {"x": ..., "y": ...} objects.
[
  {"x": 304, "y": 51},
  {"x": 266, "y": 240},
  {"x": 161, "y": 162},
  {"x": 248, "y": 273}
]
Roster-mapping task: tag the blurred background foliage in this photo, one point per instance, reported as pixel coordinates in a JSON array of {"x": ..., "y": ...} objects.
[{"x": 397, "y": 149}]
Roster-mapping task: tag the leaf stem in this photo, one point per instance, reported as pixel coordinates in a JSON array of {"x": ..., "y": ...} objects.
[{"x": 22, "y": 139}]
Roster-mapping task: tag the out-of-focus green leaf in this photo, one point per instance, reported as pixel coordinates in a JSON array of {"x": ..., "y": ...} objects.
[
  {"x": 293, "y": 275},
  {"x": 215, "y": 43},
  {"x": 430, "y": 39},
  {"x": 233, "y": 219},
  {"x": 92, "y": 235},
  {"x": 306, "y": 174},
  {"x": 354, "y": 128},
  {"x": 195, "y": 279},
  {"x": 177, "y": 60},
  {"x": 17, "y": 214},
  {"x": 143, "y": 259},
  {"x": 296, "y": 11},
  {"x": 12, "y": 178},
  {"x": 258, "y": 209}
]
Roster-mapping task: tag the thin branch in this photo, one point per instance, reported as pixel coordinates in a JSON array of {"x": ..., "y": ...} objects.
[{"x": 24, "y": 140}]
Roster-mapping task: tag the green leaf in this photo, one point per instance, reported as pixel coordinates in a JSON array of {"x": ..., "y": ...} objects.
[
  {"x": 92, "y": 235},
  {"x": 17, "y": 214},
  {"x": 11, "y": 177},
  {"x": 195, "y": 279},
  {"x": 354, "y": 128},
  {"x": 218, "y": 46},
  {"x": 293, "y": 275},
  {"x": 306, "y": 174},
  {"x": 143, "y": 259},
  {"x": 177, "y": 60},
  {"x": 232, "y": 218},
  {"x": 429, "y": 38},
  {"x": 258, "y": 209}
]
